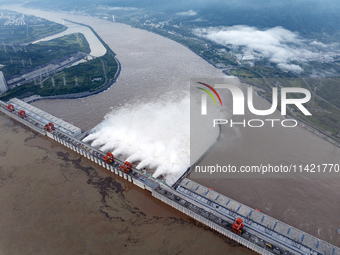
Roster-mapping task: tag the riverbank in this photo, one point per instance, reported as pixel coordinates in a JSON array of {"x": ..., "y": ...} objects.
[
  {"x": 86, "y": 94},
  {"x": 106, "y": 86},
  {"x": 108, "y": 81},
  {"x": 78, "y": 95},
  {"x": 303, "y": 123}
]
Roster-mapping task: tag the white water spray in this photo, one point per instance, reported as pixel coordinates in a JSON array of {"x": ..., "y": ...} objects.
[{"x": 157, "y": 135}]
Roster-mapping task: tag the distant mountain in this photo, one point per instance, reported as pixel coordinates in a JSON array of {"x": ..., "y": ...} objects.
[{"x": 304, "y": 16}]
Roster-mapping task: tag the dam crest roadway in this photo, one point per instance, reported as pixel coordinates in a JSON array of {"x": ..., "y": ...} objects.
[{"x": 250, "y": 227}]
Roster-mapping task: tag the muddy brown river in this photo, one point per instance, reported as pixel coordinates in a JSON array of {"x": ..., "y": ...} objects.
[{"x": 53, "y": 201}]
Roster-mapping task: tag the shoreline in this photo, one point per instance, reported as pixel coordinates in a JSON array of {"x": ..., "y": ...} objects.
[
  {"x": 111, "y": 82},
  {"x": 311, "y": 128},
  {"x": 308, "y": 126},
  {"x": 315, "y": 130},
  {"x": 81, "y": 94},
  {"x": 302, "y": 123}
]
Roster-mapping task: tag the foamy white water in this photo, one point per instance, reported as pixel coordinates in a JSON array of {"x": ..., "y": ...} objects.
[
  {"x": 151, "y": 69},
  {"x": 154, "y": 134}
]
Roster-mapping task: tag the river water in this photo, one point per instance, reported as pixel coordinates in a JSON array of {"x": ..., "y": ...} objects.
[
  {"x": 97, "y": 49},
  {"x": 55, "y": 202},
  {"x": 153, "y": 66}
]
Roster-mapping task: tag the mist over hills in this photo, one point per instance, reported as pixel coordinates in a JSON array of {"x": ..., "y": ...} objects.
[{"x": 303, "y": 16}]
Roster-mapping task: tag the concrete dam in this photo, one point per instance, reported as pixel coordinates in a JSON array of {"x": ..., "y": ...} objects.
[{"x": 250, "y": 227}]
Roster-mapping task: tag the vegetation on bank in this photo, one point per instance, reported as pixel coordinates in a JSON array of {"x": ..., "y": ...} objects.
[
  {"x": 31, "y": 29},
  {"x": 19, "y": 59},
  {"x": 88, "y": 76},
  {"x": 325, "y": 102}
]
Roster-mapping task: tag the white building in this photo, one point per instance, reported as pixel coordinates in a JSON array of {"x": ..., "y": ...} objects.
[{"x": 3, "y": 83}]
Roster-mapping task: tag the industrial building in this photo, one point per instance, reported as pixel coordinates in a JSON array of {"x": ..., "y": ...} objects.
[
  {"x": 3, "y": 83},
  {"x": 45, "y": 118}
]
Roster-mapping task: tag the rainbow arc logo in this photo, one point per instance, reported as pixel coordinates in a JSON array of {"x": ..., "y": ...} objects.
[
  {"x": 209, "y": 93},
  {"x": 204, "y": 98}
]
